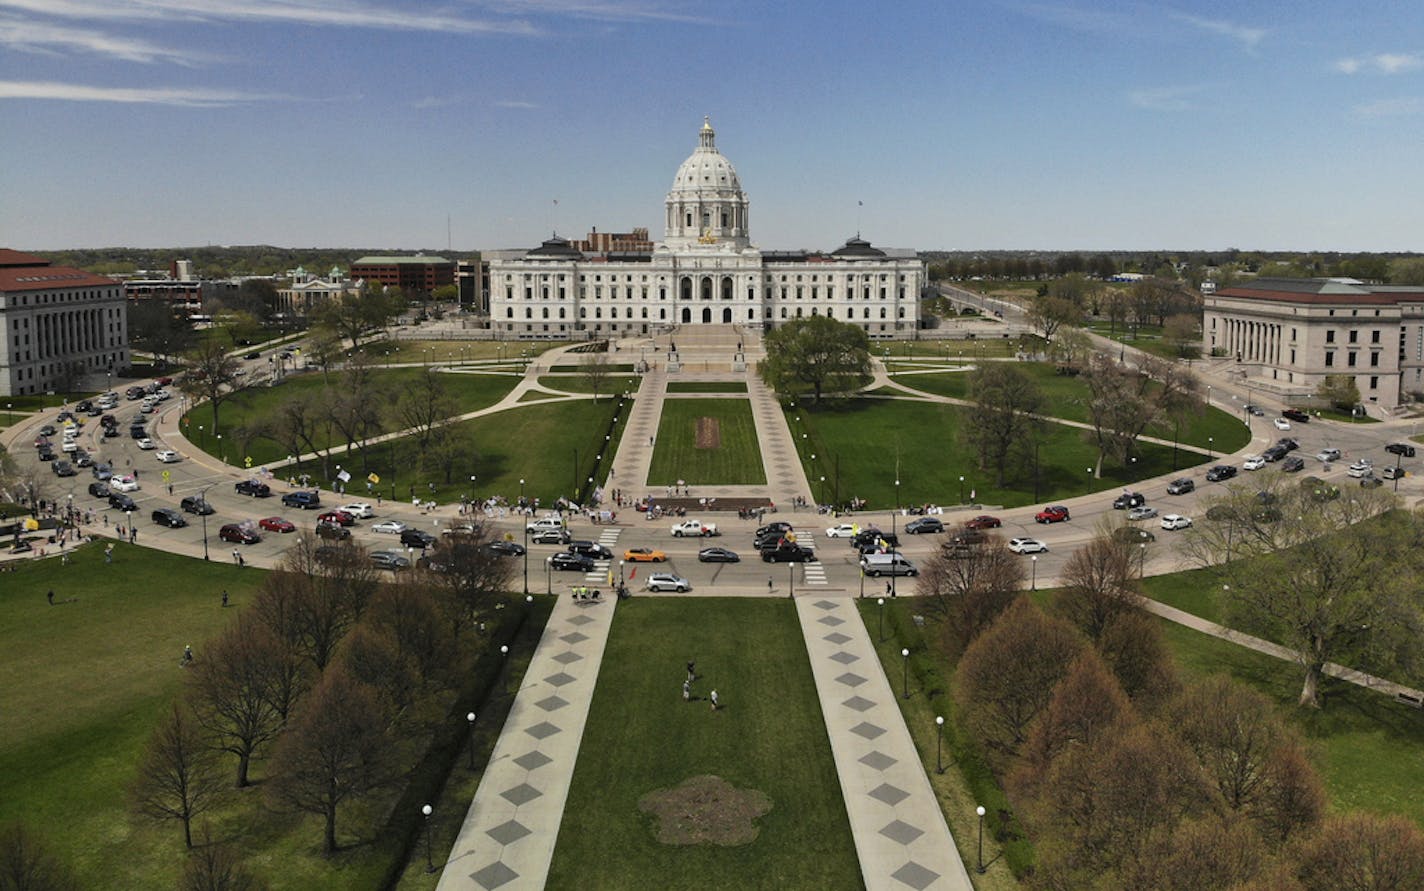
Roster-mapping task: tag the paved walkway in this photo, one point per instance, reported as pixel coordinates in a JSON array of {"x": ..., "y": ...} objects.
[
  {"x": 900, "y": 833},
  {"x": 509, "y": 832}
]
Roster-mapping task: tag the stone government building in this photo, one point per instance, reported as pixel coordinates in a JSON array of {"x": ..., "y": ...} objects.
[
  {"x": 706, "y": 271},
  {"x": 1286, "y": 335}
]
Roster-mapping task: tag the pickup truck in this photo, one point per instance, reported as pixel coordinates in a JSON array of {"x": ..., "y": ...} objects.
[{"x": 693, "y": 527}]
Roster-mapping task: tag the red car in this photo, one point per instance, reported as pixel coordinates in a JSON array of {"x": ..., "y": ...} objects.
[
  {"x": 1056, "y": 513},
  {"x": 339, "y": 517},
  {"x": 984, "y": 521},
  {"x": 235, "y": 533},
  {"x": 276, "y": 524}
]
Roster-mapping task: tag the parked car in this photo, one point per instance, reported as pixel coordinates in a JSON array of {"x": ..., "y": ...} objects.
[
  {"x": 167, "y": 516},
  {"x": 238, "y": 534},
  {"x": 1370, "y": 481},
  {"x": 339, "y": 517},
  {"x": 924, "y": 526},
  {"x": 1180, "y": 486},
  {"x": 304, "y": 499},
  {"x": 1403, "y": 449},
  {"x": 1296, "y": 414},
  {"x": 566, "y": 562},
  {"x": 417, "y": 538},
  {"x": 1282, "y": 424},
  {"x": 392, "y": 560},
  {"x": 82, "y": 459},
  {"x": 1293, "y": 464},
  {"x": 195, "y": 504},
  {"x": 1272, "y": 454},
  {"x": 1256, "y": 410},
  {"x": 1142, "y": 513},
  {"x": 717, "y": 555},
  {"x": 693, "y": 527},
  {"x": 389, "y": 527},
  {"x": 1287, "y": 443},
  {"x": 666, "y": 581},
  {"x": 1128, "y": 500},
  {"x": 276, "y": 524},
  {"x": 359, "y": 509},
  {"x": 1027, "y": 546},
  {"x": 1176, "y": 521},
  {"x": 1393, "y": 472},
  {"x": 332, "y": 531},
  {"x": 843, "y": 530},
  {"x": 983, "y": 521},
  {"x": 1220, "y": 472},
  {"x": 48, "y": 430},
  {"x": 1254, "y": 462},
  {"x": 252, "y": 488},
  {"x": 1055, "y": 513},
  {"x": 644, "y": 555},
  {"x": 46, "y": 454},
  {"x": 551, "y": 536}
]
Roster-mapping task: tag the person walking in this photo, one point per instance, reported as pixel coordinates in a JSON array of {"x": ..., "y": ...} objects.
[
  {"x": 50, "y": 597},
  {"x": 713, "y": 697},
  {"x": 109, "y": 553},
  {"x": 686, "y": 691},
  {"x": 691, "y": 671},
  {"x": 224, "y": 599}
]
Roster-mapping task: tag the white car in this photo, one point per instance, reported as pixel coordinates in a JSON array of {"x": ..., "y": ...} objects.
[
  {"x": 543, "y": 523},
  {"x": 70, "y": 446},
  {"x": 1255, "y": 462},
  {"x": 666, "y": 581},
  {"x": 168, "y": 456},
  {"x": 1282, "y": 424},
  {"x": 1362, "y": 467},
  {"x": 1176, "y": 521},
  {"x": 1142, "y": 513},
  {"x": 1027, "y": 546},
  {"x": 844, "y": 530},
  {"x": 360, "y": 510},
  {"x": 123, "y": 484},
  {"x": 393, "y": 527},
  {"x": 693, "y": 527},
  {"x": 146, "y": 444}
]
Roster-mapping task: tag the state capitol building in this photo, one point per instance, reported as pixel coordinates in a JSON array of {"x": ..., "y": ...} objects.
[{"x": 706, "y": 271}]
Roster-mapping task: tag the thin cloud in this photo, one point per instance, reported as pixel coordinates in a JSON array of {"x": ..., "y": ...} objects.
[
  {"x": 300, "y": 12},
  {"x": 1391, "y": 108},
  {"x": 602, "y": 10},
  {"x": 1245, "y": 35},
  {"x": 1381, "y": 63},
  {"x": 184, "y": 97},
  {"x": 1164, "y": 98},
  {"x": 38, "y": 37},
  {"x": 514, "y": 103}
]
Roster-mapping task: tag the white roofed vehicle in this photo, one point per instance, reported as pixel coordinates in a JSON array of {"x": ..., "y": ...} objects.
[{"x": 694, "y": 528}]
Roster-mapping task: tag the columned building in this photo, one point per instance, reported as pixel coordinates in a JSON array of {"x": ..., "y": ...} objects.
[
  {"x": 55, "y": 323},
  {"x": 1288, "y": 334},
  {"x": 706, "y": 271}
]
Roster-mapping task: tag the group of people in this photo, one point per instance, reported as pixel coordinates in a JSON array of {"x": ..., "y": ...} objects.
[{"x": 687, "y": 686}]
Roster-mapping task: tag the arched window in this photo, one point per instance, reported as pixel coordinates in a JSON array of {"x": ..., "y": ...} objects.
[
  {"x": 686, "y": 287},
  {"x": 706, "y": 287},
  {"x": 727, "y": 287}
]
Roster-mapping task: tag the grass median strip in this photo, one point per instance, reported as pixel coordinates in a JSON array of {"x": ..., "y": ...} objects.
[{"x": 735, "y": 459}]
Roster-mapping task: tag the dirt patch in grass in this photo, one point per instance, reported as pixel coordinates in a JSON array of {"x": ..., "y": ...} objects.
[
  {"x": 709, "y": 433},
  {"x": 705, "y": 810}
]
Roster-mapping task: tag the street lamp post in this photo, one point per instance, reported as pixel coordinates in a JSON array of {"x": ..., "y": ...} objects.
[
  {"x": 470, "y": 717},
  {"x": 620, "y": 577},
  {"x": 427, "y": 810},
  {"x": 1211, "y": 447},
  {"x": 905, "y": 654},
  {"x": 791, "y": 579},
  {"x": 980, "y": 811},
  {"x": 1141, "y": 559},
  {"x": 548, "y": 575},
  {"x": 203, "y": 500},
  {"x": 1033, "y": 562},
  {"x": 961, "y": 488},
  {"x": 881, "y": 602},
  {"x": 939, "y": 739},
  {"x": 526, "y": 537}
]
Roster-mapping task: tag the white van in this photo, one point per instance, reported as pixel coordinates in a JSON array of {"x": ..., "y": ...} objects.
[
  {"x": 552, "y": 524},
  {"x": 887, "y": 564}
]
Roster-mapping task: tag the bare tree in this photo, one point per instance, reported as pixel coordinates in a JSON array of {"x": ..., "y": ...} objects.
[
  {"x": 969, "y": 586},
  {"x": 325, "y": 598},
  {"x": 422, "y": 405},
  {"x": 1207, "y": 852},
  {"x": 1071, "y": 347},
  {"x": 595, "y": 371},
  {"x": 230, "y": 695},
  {"x": 1124, "y": 403},
  {"x": 26, "y": 864},
  {"x": 177, "y": 775},
  {"x": 1002, "y": 427},
  {"x": 214, "y": 867},
  {"x": 1363, "y": 852},
  {"x": 1099, "y": 582},
  {"x": 299, "y": 422},
  {"x": 471, "y": 576},
  {"x": 212, "y": 375},
  {"x": 336, "y": 750}
]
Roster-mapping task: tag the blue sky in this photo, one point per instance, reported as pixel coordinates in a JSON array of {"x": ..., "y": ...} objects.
[{"x": 960, "y": 126}]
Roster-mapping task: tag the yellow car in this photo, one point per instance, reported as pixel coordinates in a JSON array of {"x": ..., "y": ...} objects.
[{"x": 644, "y": 555}]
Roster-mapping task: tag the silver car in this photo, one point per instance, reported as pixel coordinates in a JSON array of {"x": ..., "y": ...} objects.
[{"x": 1142, "y": 513}]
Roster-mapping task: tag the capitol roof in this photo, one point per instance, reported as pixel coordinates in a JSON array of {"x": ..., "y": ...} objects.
[{"x": 706, "y": 169}]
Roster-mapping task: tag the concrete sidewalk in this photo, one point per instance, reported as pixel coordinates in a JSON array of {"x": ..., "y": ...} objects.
[
  {"x": 509, "y": 832},
  {"x": 901, "y": 837}
]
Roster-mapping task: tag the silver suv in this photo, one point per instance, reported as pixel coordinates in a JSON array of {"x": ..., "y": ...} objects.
[{"x": 666, "y": 581}]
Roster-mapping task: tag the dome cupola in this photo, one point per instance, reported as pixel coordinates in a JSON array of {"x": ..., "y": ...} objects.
[{"x": 706, "y": 204}]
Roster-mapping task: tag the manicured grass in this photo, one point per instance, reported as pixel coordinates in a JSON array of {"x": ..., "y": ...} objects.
[
  {"x": 535, "y": 443},
  {"x": 1335, "y": 414},
  {"x": 736, "y": 462},
  {"x": 769, "y": 736},
  {"x": 578, "y": 383},
  {"x": 85, "y": 682},
  {"x": 861, "y": 440},
  {"x": 469, "y": 392},
  {"x": 1067, "y": 397},
  {"x": 384, "y": 351},
  {"x": 1197, "y": 591},
  {"x": 707, "y": 386},
  {"x": 610, "y": 368},
  {"x": 995, "y": 347}
]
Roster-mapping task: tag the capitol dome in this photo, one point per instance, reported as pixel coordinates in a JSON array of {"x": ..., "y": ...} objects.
[{"x": 706, "y": 204}]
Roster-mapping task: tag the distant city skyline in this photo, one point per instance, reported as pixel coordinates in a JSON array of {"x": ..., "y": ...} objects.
[{"x": 981, "y": 126}]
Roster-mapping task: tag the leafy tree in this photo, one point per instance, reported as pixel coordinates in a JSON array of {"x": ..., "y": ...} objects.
[
  {"x": 244, "y": 328},
  {"x": 335, "y": 751},
  {"x": 1409, "y": 271},
  {"x": 1086, "y": 706},
  {"x": 1072, "y": 347},
  {"x": 1363, "y": 852},
  {"x": 177, "y": 775},
  {"x": 1339, "y": 390},
  {"x": 1002, "y": 427},
  {"x": 1132, "y": 645},
  {"x": 816, "y": 354},
  {"x": 1049, "y": 313},
  {"x": 212, "y": 375}
]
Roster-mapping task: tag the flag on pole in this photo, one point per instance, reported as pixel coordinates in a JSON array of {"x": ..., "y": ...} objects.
[
  {"x": 344, "y": 476},
  {"x": 632, "y": 575}
]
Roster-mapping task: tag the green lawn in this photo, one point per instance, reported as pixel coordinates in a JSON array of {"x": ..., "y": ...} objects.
[
  {"x": 1067, "y": 397},
  {"x": 84, "y": 684},
  {"x": 707, "y": 386},
  {"x": 861, "y": 439},
  {"x": 469, "y": 392},
  {"x": 535, "y": 443},
  {"x": 577, "y": 366},
  {"x": 736, "y": 462},
  {"x": 387, "y": 351},
  {"x": 975, "y": 348},
  {"x": 769, "y": 736},
  {"x": 578, "y": 383}
]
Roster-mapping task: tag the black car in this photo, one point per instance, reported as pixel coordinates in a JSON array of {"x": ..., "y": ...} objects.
[
  {"x": 1400, "y": 448},
  {"x": 1220, "y": 472},
  {"x": 46, "y": 453},
  {"x": 111, "y": 432},
  {"x": 1274, "y": 453},
  {"x": 924, "y": 525},
  {"x": 252, "y": 488},
  {"x": 1296, "y": 414},
  {"x": 590, "y": 549},
  {"x": 306, "y": 500},
  {"x": 1256, "y": 410},
  {"x": 238, "y": 534},
  {"x": 1370, "y": 481},
  {"x": 417, "y": 538},
  {"x": 717, "y": 555},
  {"x": 563, "y": 561},
  {"x": 120, "y": 501},
  {"x": 788, "y": 553},
  {"x": 1181, "y": 486},
  {"x": 83, "y": 405},
  {"x": 875, "y": 536},
  {"x": 768, "y": 540},
  {"x": 778, "y": 527},
  {"x": 390, "y": 560},
  {"x": 196, "y": 504},
  {"x": 100, "y": 490},
  {"x": 167, "y": 516},
  {"x": 333, "y": 531},
  {"x": 504, "y": 548},
  {"x": 82, "y": 459},
  {"x": 63, "y": 468},
  {"x": 1129, "y": 500},
  {"x": 255, "y": 354},
  {"x": 137, "y": 432},
  {"x": 551, "y": 536},
  {"x": 47, "y": 430},
  {"x": 1290, "y": 445},
  {"x": 1293, "y": 464}
]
